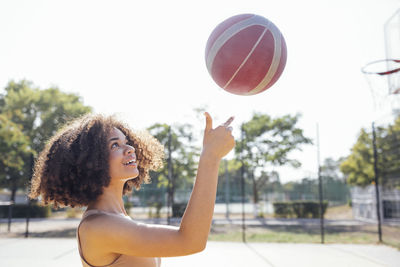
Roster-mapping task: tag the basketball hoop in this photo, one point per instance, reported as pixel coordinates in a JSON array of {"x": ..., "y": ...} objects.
[{"x": 383, "y": 77}]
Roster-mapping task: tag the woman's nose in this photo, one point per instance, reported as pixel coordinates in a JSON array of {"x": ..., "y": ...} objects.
[{"x": 129, "y": 149}]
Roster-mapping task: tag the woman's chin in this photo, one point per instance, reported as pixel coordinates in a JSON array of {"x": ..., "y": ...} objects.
[{"x": 131, "y": 177}]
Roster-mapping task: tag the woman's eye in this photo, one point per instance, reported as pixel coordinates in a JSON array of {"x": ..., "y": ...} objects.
[{"x": 114, "y": 145}]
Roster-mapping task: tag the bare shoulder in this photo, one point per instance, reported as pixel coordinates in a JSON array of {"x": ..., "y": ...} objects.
[
  {"x": 90, "y": 225},
  {"x": 97, "y": 227},
  {"x": 91, "y": 235},
  {"x": 110, "y": 235}
]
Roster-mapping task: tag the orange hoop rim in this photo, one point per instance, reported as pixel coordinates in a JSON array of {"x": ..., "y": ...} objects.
[{"x": 382, "y": 73}]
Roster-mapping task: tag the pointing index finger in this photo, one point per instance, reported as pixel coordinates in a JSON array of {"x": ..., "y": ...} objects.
[{"x": 226, "y": 124}]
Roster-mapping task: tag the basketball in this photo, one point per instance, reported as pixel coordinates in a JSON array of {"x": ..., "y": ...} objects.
[{"x": 245, "y": 54}]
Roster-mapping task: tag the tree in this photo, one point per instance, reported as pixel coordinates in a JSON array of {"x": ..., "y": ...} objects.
[
  {"x": 36, "y": 115},
  {"x": 182, "y": 154},
  {"x": 359, "y": 165},
  {"x": 267, "y": 142},
  {"x": 40, "y": 112},
  {"x": 388, "y": 144},
  {"x": 14, "y": 150},
  {"x": 14, "y": 145}
]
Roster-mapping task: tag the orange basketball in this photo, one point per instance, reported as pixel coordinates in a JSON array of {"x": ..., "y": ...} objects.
[{"x": 245, "y": 54}]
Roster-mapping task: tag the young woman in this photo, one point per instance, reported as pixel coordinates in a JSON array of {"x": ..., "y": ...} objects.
[{"x": 96, "y": 159}]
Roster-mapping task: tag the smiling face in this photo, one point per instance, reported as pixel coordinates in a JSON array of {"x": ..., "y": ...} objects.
[{"x": 122, "y": 157}]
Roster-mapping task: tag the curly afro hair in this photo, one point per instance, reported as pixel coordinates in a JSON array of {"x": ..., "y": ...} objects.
[{"x": 73, "y": 168}]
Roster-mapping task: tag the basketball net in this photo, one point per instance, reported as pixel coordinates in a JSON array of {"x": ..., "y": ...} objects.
[{"x": 383, "y": 77}]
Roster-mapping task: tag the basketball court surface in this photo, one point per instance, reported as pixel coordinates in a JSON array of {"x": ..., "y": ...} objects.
[{"x": 46, "y": 252}]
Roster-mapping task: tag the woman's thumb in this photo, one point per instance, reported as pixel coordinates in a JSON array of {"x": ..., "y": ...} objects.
[{"x": 208, "y": 122}]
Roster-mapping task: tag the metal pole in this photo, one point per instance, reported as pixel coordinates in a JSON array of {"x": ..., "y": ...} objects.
[
  {"x": 321, "y": 205},
  {"x": 27, "y": 219},
  {"x": 169, "y": 200},
  {"x": 227, "y": 193},
  {"x": 378, "y": 206},
  {"x": 10, "y": 208},
  {"x": 242, "y": 187},
  {"x": 28, "y": 215}
]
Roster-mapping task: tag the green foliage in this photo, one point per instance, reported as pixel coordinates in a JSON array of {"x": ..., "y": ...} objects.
[
  {"x": 14, "y": 145},
  {"x": 29, "y": 117},
  {"x": 268, "y": 142},
  {"x": 359, "y": 165},
  {"x": 388, "y": 144},
  {"x": 178, "y": 142},
  {"x": 283, "y": 210},
  {"x": 40, "y": 113},
  {"x": 309, "y": 209},
  {"x": 21, "y": 211},
  {"x": 184, "y": 153},
  {"x": 299, "y": 209}
]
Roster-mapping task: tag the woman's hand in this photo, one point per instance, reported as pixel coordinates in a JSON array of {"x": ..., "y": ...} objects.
[{"x": 219, "y": 141}]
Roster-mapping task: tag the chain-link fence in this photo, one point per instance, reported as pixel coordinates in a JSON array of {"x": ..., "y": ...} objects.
[
  {"x": 285, "y": 212},
  {"x": 383, "y": 204}
]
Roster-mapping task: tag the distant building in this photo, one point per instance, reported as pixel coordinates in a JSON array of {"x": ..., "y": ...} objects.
[{"x": 364, "y": 204}]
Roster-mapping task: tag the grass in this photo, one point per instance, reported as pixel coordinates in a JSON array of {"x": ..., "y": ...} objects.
[
  {"x": 342, "y": 212},
  {"x": 303, "y": 234},
  {"x": 391, "y": 235},
  {"x": 256, "y": 234}
]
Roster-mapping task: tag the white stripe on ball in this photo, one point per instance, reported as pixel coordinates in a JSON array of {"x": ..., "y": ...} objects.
[
  {"x": 229, "y": 33},
  {"x": 274, "y": 64},
  {"x": 247, "y": 57}
]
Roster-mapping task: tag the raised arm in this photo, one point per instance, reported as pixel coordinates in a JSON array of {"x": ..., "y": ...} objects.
[
  {"x": 116, "y": 235},
  {"x": 196, "y": 221}
]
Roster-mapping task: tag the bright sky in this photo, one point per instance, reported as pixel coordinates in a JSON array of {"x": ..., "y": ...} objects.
[{"x": 144, "y": 60}]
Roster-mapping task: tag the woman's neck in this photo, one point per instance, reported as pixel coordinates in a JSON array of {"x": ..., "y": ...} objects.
[{"x": 110, "y": 200}]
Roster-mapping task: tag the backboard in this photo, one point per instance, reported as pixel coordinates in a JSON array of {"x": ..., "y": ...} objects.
[{"x": 392, "y": 46}]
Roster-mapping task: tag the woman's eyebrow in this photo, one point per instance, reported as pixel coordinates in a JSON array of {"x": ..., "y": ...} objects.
[{"x": 113, "y": 139}]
